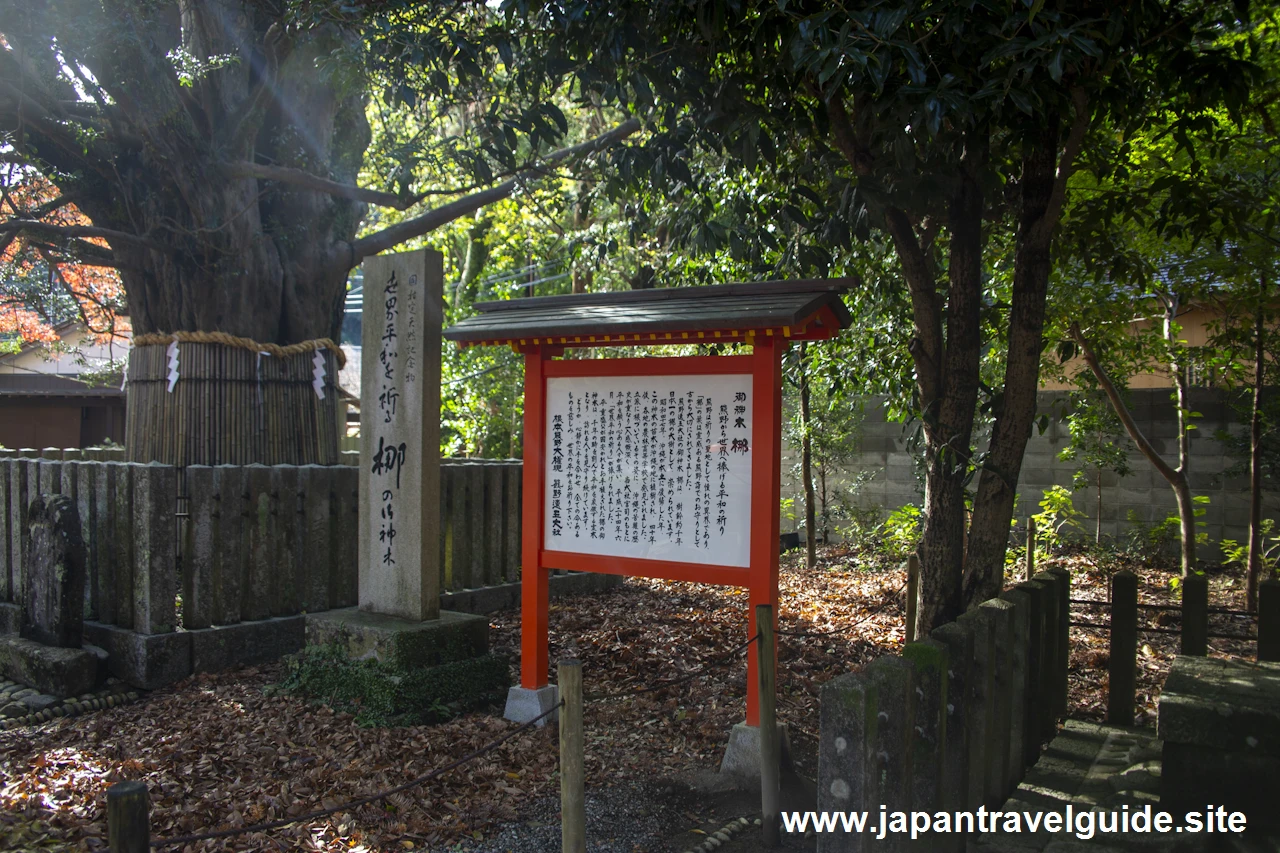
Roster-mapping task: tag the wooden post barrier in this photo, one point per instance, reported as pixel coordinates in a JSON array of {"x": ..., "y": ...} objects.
[
  {"x": 573, "y": 809},
  {"x": 1031, "y": 547},
  {"x": 770, "y": 746},
  {"x": 1269, "y": 620},
  {"x": 1195, "y": 615},
  {"x": 913, "y": 596},
  {"x": 1123, "y": 666},
  {"x": 128, "y": 818}
]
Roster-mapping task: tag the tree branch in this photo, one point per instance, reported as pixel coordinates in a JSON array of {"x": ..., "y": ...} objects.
[
  {"x": 306, "y": 180},
  {"x": 846, "y": 138},
  {"x": 1066, "y": 165},
  {"x": 82, "y": 252},
  {"x": 1121, "y": 410},
  {"x": 37, "y": 227},
  {"x": 394, "y": 235},
  {"x": 927, "y": 347}
]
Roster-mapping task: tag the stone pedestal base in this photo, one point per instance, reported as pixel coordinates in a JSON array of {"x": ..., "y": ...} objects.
[
  {"x": 742, "y": 755},
  {"x": 402, "y": 643},
  {"x": 59, "y": 672},
  {"x": 524, "y": 704}
]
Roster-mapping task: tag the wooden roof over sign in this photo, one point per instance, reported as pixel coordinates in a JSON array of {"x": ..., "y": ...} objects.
[{"x": 808, "y": 309}]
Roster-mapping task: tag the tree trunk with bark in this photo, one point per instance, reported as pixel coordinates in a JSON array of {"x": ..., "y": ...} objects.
[
  {"x": 806, "y": 463},
  {"x": 223, "y": 181},
  {"x": 1255, "y": 558},
  {"x": 1002, "y": 463},
  {"x": 1175, "y": 477},
  {"x": 1181, "y": 487}
]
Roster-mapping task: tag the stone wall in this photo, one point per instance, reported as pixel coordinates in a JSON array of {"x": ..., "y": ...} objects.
[
  {"x": 954, "y": 721},
  {"x": 886, "y": 457}
]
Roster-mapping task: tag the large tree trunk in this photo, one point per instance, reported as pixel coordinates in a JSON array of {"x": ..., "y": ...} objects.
[
  {"x": 242, "y": 255},
  {"x": 1002, "y": 465},
  {"x": 202, "y": 248},
  {"x": 947, "y": 369},
  {"x": 214, "y": 144}
]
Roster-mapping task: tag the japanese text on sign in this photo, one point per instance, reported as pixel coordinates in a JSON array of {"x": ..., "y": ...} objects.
[{"x": 651, "y": 467}]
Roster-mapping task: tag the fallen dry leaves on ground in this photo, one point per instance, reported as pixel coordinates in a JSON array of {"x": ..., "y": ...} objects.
[
  {"x": 218, "y": 752},
  {"x": 1090, "y": 647}
]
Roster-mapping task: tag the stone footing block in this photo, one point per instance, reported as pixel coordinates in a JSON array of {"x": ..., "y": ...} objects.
[
  {"x": 402, "y": 643},
  {"x": 146, "y": 661},
  {"x": 221, "y": 647},
  {"x": 525, "y": 704},
  {"x": 10, "y": 619},
  {"x": 49, "y": 669},
  {"x": 1244, "y": 781},
  {"x": 742, "y": 755}
]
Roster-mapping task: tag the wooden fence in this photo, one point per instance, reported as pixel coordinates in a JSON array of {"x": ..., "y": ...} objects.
[
  {"x": 241, "y": 543},
  {"x": 954, "y": 721},
  {"x": 1124, "y": 624}
]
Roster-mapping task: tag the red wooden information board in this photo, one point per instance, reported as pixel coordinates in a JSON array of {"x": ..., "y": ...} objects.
[{"x": 730, "y": 416}]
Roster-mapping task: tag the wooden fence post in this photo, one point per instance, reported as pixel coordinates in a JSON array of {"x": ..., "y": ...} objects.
[
  {"x": 770, "y": 747},
  {"x": 1195, "y": 615},
  {"x": 1269, "y": 620},
  {"x": 573, "y": 809},
  {"x": 128, "y": 818},
  {"x": 913, "y": 596},
  {"x": 1123, "y": 665},
  {"x": 1031, "y": 547}
]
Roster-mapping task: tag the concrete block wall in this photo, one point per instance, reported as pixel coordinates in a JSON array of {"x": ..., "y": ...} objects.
[
  {"x": 953, "y": 722},
  {"x": 1144, "y": 493}
]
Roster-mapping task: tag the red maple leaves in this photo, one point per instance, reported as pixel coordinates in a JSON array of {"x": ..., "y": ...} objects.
[{"x": 36, "y": 269}]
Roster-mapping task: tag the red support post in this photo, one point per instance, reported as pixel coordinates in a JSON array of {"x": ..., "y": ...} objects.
[
  {"x": 533, "y": 576},
  {"x": 766, "y": 486}
]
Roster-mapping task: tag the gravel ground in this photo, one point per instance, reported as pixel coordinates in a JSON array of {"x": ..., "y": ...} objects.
[
  {"x": 631, "y": 817},
  {"x": 647, "y": 817}
]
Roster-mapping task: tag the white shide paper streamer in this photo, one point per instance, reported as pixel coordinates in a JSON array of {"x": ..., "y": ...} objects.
[
  {"x": 318, "y": 373},
  {"x": 173, "y": 365}
]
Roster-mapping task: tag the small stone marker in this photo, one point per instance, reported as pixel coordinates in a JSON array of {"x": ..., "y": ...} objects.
[
  {"x": 848, "y": 767},
  {"x": 400, "y": 444},
  {"x": 54, "y": 573}
]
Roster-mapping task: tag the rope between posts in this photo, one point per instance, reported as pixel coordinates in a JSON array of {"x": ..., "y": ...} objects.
[{"x": 355, "y": 804}]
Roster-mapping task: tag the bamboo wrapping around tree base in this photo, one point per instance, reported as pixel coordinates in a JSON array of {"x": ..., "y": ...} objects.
[{"x": 232, "y": 405}]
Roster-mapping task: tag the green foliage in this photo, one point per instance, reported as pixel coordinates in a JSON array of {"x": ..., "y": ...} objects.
[
  {"x": 381, "y": 695},
  {"x": 787, "y": 510},
  {"x": 1098, "y": 440},
  {"x": 862, "y": 526},
  {"x": 108, "y": 374},
  {"x": 1058, "y": 517},
  {"x": 902, "y": 529},
  {"x": 1238, "y": 553},
  {"x": 1153, "y": 544}
]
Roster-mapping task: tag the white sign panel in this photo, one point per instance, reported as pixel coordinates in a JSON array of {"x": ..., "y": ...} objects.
[{"x": 651, "y": 467}]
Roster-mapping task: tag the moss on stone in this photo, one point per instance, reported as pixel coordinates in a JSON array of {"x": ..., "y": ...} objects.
[{"x": 383, "y": 694}]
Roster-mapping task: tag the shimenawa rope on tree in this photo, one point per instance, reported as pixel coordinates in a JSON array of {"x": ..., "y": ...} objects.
[{"x": 166, "y": 338}]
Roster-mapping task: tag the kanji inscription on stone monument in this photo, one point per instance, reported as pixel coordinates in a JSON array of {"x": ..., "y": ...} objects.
[{"x": 400, "y": 435}]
